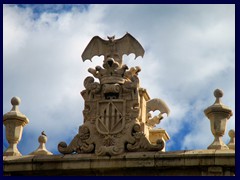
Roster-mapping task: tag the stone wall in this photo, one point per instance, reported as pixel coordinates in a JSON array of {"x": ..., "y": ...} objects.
[{"x": 175, "y": 163}]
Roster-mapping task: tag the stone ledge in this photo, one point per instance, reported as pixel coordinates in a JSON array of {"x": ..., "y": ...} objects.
[{"x": 128, "y": 163}]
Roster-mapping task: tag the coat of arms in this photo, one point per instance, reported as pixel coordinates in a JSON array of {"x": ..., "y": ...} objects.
[{"x": 111, "y": 116}]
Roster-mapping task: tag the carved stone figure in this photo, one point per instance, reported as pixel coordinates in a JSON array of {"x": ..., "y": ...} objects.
[
  {"x": 116, "y": 111},
  {"x": 114, "y": 48},
  {"x": 153, "y": 105}
]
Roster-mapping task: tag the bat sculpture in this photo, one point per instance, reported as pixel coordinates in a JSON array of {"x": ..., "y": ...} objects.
[
  {"x": 156, "y": 104},
  {"x": 113, "y": 48}
]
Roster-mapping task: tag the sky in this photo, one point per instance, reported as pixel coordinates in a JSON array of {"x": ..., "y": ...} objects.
[{"x": 189, "y": 52}]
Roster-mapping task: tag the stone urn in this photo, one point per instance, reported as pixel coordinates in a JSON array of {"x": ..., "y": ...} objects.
[
  {"x": 218, "y": 114},
  {"x": 14, "y": 121}
]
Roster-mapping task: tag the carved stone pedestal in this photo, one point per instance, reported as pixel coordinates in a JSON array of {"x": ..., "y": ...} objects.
[{"x": 156, "y": 134}]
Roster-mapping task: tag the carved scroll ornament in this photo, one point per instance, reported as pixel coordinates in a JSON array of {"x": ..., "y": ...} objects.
[{"x": 113, "y": 103}]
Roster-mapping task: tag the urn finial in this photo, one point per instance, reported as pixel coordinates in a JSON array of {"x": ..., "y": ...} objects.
[
  {"x": 14, "y": 121},
  {"x": 218, "y": 114}
]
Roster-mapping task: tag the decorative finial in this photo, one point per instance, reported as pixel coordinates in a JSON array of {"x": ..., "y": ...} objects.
[
  {"x": 218, "y": 93},
  {"x": 14, "y": 121},
  {"x": 15, "y": 101},
  {"x": 41, "y": 150},
  {"x": 42, "y": 138},
  {"x": 218, "y": 114},
  {"x": 231, "y": 144}
]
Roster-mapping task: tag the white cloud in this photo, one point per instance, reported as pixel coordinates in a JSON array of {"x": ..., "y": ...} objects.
[{"x": 190, "y": 51}]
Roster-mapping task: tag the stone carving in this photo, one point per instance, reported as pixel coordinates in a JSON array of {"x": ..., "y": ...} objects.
[
  {"x": 116, "y": 108},
  {"x": 141, "y": 143},
  {"x": 41, "y": 150},
  {"x": 218, "y": 114},
  {"x": 112, "y": 47},
  {"x": 153, "y": 105},
  {"x": 78, "y": 144},
  {"x": 14, "y": 121},
  {"x": 231, "y": 144}
]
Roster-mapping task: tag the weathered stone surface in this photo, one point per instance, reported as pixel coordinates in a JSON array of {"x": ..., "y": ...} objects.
[
  {"x": 204, "y": 162},
  {"x": 231, "y": 144},
  {"x": 116, "y": 111},
  {"x": 218, "y": 114},
  {"x": 16, "y": 163},
  {"x": 14, "y": 121},
  {"x": 114, "y": 48},
  {"x": 221, "y": 157},
  {"x": 159, "y": 133},
  {"x": 41, "y": 150}
]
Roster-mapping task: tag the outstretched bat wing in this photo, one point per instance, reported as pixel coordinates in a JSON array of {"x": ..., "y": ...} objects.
[
  {"x": 96, "y": 47},
  {"x": 127, "y": 45},
  {"x": 157, "y": 104}
]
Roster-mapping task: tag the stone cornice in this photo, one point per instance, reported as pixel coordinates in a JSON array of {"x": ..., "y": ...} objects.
[{"x": 189, "y": 162}]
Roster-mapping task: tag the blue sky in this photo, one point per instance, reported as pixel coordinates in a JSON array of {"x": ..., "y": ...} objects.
[{"x": 189, "y": 52}]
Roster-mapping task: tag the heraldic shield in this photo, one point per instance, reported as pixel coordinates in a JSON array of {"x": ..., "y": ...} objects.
[{"x": 111, "y": 116}]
